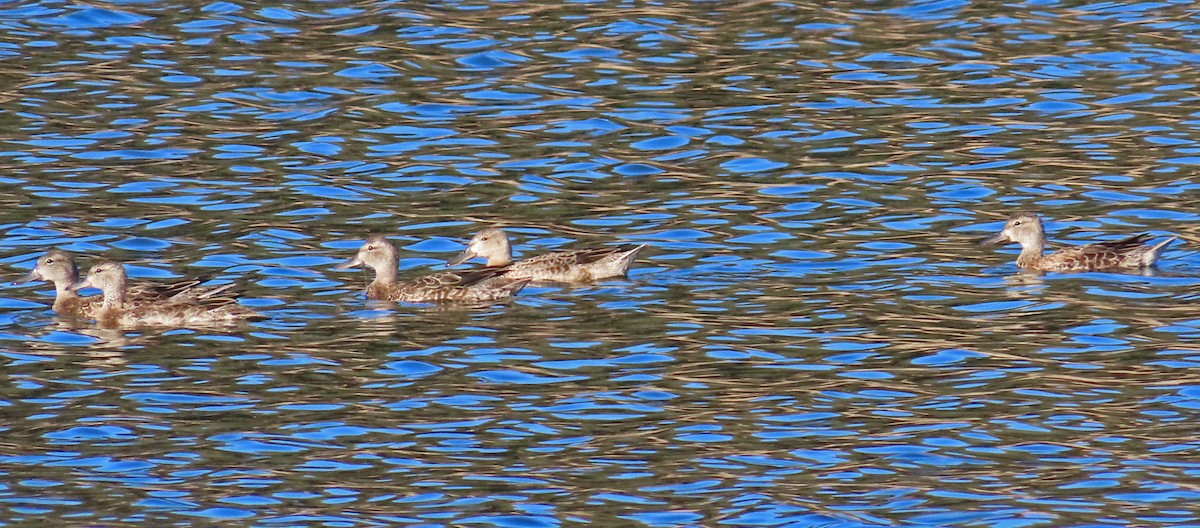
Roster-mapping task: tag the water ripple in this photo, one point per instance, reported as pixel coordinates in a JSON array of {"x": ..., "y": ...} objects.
[{"x": 811, "y": 338}]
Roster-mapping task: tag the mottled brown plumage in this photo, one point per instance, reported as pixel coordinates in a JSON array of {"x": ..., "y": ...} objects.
[
  {"x": 576, "y": 266},
  {"x": 379, "y": 254},
  {"x": 1026, "y": 228},
  {"x": 59, "y": 268},
  {"x": 180, "y": 304}
]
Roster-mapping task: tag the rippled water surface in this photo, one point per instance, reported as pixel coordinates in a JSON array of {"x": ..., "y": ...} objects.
[{"x": 812, "y": 337}]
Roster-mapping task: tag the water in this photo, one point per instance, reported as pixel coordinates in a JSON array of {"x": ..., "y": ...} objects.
[{"x": 811, "y": 339}]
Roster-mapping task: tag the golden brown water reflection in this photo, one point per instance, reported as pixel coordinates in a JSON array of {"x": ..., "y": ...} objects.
[{"x": 812, "y": 339}]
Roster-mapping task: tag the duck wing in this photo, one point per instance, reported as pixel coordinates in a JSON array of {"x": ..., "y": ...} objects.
[
  {"x": 1122, "y": 246},
  {"x": 166, "y": 290},
  {"x": 1101, "y": 255},
  {"x": 587, "y": 256},
  {"x": 456, "y": 279},
  {"x": 183, "y": 290}
]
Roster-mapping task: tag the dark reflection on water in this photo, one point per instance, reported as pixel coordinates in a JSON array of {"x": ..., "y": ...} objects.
[{"x": 813, "y": 337}]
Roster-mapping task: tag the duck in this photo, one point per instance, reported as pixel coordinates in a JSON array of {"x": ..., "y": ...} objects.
[
  {"x": 59, "y": 267},
  {"x": 571, "y": 267},
  {"x": 173, "y": 305},
  {"x": 479, "y": 286},
  {"x": 1025, "y": 228}
]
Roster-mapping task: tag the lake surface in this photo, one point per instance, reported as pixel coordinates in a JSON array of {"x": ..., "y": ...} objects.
[{"x": 812, "y": 337}]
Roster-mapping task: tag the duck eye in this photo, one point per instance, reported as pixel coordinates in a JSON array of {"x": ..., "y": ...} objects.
[
  {"x": 1017, "y": 223},
  {"x": 49, "y": 261},
  {"x": 370, "y": 248}
]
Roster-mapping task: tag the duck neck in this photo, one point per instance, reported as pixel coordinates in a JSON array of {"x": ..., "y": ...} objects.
[
  {"x": 1031, "y": 253},
  {"x": 114, "y": 297},
  {"x": 63, "y": 291},
  {"x": 63, "y": 297},
  {"x": 502, "y": 259},
  {"x": 387, "y": 274}
]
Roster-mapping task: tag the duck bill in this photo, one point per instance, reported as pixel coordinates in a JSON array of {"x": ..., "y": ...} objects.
[
  {"x": 461, "y": 257},
  {"x": 30, "y": 277},
  {"x": 79, "y": 284},
  {"x": 352, "y": 263},
  {"x": 994, "y": 239}
]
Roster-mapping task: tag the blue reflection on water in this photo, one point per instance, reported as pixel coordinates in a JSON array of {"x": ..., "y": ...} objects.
[{"x": 812, "y": 318}]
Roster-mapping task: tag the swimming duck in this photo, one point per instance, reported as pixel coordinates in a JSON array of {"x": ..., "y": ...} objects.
[
  {"x": 188, "y": 306},
  {"x": 577, "y": 266},
  {"x": 1026, "y": 228},
  {"x": 379, "y": 254},
  {"x": 58, "y": 267}
]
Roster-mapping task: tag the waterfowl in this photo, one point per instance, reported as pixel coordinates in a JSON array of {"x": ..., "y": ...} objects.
[
  {"x": 187, "y": 306},
  {"x": 58, "y": 267},
  {"x": 1025, "y": 228},
  {"x": 576, "y": 266},
  {"x": 480, "y": 286}
]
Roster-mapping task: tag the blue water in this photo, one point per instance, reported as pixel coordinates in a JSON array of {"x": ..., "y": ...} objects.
[{"x": 812, "y": 338}]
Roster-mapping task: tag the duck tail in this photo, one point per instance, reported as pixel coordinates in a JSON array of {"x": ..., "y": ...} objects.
[
  {"x": 627, "y": 258},
  {"x": 1152, "y": 254}
]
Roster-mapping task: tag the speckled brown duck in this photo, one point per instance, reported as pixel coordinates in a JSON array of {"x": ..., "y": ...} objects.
[
  {"x": 1025, "y": 228},
  {"x": 576, "y": 266},
  {"x": 59, "y": 268},
  {"x": 187, "y": 306},
  {"x": 478, "y": 286}
]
